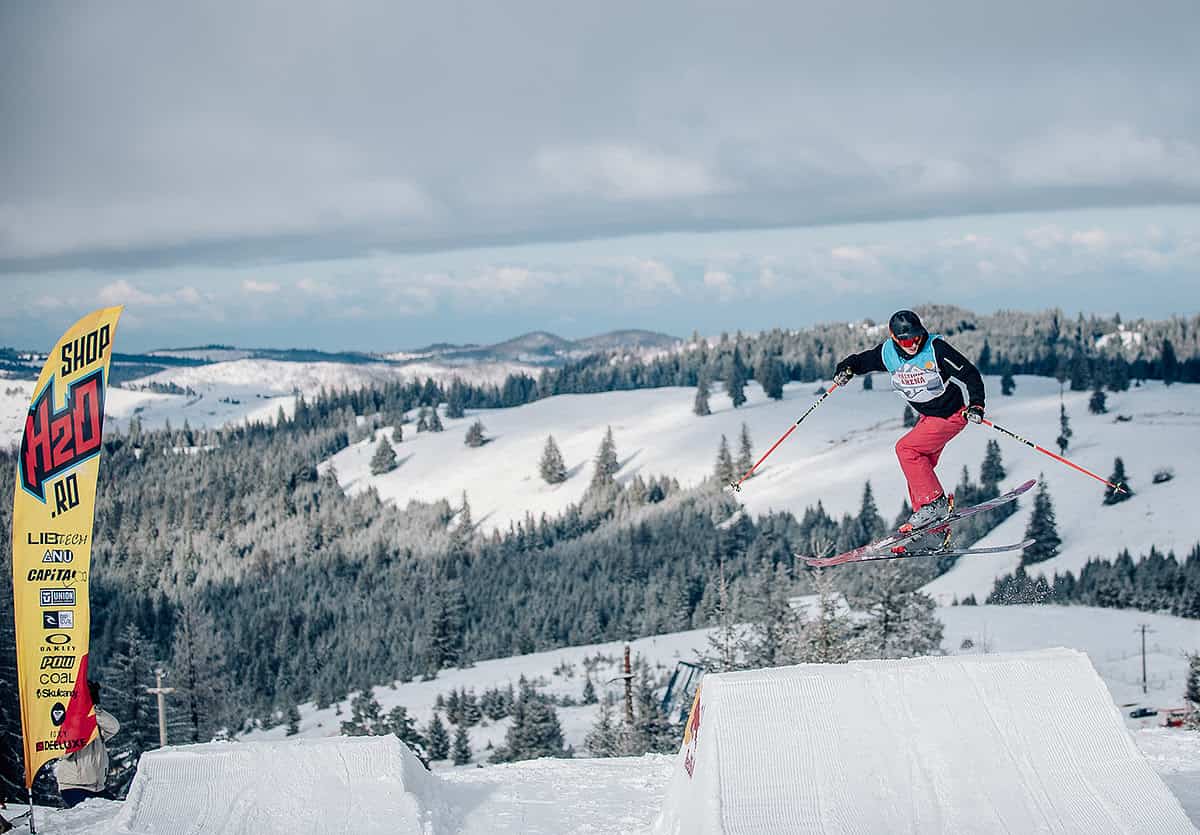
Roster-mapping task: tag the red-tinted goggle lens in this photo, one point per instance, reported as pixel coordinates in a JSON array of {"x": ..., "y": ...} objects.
[{"x": 908, "y": 343}]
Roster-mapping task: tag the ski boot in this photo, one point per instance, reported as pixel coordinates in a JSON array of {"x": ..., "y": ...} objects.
[{"x": 938, "y": 509}]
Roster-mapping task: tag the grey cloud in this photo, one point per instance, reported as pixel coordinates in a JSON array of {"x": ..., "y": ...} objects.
[{"x": 142, "y": 133}]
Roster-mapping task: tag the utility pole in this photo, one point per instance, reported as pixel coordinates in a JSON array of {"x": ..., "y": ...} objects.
[
  {"x": 161, "y": 692},
  {"x": 1144, "y": 628},
  {"x": 628, "y": 689}
]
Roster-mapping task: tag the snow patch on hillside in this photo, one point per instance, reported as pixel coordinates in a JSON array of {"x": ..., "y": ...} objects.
[{"x": 845, "y": 443}]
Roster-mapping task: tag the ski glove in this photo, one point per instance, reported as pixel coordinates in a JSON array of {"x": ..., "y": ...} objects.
[
  {"x": 974, "y": 413},
  {"x": 842, "y": 374}
]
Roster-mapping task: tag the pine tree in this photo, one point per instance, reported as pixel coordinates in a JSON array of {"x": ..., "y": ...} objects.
[
  {"x": 1112, "y": 496},
  {"x": 1007, "y": 384},
  {"x": 438, "y": 741},
  {"x": 589, "y": 692},
  {"x": 1064, "y": 432},
  {"x": 1192, "y": 689},
  {"x": 900, "y": 618},
  {"x": 474, "y": 436},
  {"x": 1169, "y": 363},
  {"x": 455, "y": 400},
  {"x": 552, "y": 467},
  {"x": 992, "y": 472},
  {"x": 435, "y": 420},
  {"x": 397, "y": 433},
  {"x": 773, "y": 378},
  {"x": 1042, "y": 528},
  {"x": 366, "y": 716},
  {"x": 772, "y": 623},
  {"x": 745, "y": 452},
  {"x": 293, "y": 720},
  {"x": 384, "y": 459},
  {"x": 828, "y": 637},
  {"x": 1098, "y": 405},
  {"x": 870, "y": 524},
  {"x": 403, "y": 727},
  {"x": 651, "y": 731},
  {"x": 461, "y": 753},
  {"x": 534, "y": 732},
  {"x": 604, "y": 474},
  {"x": 910, "y": 417},
  {"x": 125, "y": 696},
  {"x": 199, "y": 674},
  {"x": 725, "y": 641},
  {"x": 422, "y": 420},
  {"x": 735, "y": 386},
  {"x": 444, "y": 642},
  {"x": 700, "y": 406},
  {"x": 723, "y": 470},
  {"x": 603, "y": 740},
  {"x": 12, "y": 774}
]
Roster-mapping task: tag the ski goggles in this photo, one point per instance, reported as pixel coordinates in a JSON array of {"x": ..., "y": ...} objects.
[{"x": 908, "y": 343}]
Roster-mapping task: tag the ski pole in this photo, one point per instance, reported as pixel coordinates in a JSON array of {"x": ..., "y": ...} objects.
[
  {"x": 1058, "y": 458},
  {"x": 737, "y": 485}
]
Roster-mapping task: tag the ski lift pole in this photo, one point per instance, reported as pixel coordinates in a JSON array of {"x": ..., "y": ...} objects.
[
  {"x": 1058, "y": 458},
  {"x": 737, "y": 485}
]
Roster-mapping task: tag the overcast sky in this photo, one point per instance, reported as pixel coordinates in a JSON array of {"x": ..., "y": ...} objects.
[{"x": 281, "y": 173}]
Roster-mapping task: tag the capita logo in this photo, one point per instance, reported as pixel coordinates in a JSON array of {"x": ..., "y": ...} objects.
[
  {"x": 54, "y": 442},
  {"x": 58, "y": 620},
  {"x": 52, "y": 575},
  {"x": 58, "y": 714},
  {"x": 58, "y": 555}
]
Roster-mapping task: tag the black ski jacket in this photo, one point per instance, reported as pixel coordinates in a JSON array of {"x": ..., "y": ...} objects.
[{"x": 958, "y": 372}]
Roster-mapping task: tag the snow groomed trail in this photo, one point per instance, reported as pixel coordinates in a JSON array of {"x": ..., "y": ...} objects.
[{"x": 1017, "y": 743}]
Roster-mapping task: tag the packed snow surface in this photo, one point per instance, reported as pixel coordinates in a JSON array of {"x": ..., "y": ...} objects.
[
  {"x": 979, "y": 743},
  {"x": 1027, "y": 742}
]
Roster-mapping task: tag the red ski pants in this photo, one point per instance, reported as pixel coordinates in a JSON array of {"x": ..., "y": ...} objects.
[{"x": 919, "y": 451}]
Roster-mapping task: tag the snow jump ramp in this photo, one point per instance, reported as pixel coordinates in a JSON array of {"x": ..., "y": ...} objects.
[
  {"x": 1014, "y": 743},
  {"x": 337, "y": 785}
]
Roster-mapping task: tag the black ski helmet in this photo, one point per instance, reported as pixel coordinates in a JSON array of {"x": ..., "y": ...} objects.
[{"x": 905, "y": 326}]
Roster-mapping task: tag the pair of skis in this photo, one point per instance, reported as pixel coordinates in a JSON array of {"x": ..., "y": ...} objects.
[{"x": 896, "y": 546}]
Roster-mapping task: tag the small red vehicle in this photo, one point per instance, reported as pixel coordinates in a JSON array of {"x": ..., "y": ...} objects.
[{"x": 1175, "y": 717}]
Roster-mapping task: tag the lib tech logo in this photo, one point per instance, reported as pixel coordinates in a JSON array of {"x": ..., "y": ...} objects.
[{"x": 54, "y": 442}]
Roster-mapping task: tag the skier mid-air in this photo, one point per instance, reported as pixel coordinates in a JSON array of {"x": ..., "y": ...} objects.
[{"x": 941, "y": 385}]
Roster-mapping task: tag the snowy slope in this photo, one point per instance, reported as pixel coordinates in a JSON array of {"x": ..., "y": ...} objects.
[
  {"x": 846, "y": 442},
  {"x": 211, "y": 406},
  {"x": 910, "y": 746},
  {"x": 276, "y": 784},
  {"x": 1108, "y": 636}
]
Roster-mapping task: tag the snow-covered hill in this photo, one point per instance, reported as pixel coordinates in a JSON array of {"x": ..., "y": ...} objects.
[
  {"x": 624, "y": 795},
  {"x": 1108, "y": 636},
  {"x": 845, "y": 443}
]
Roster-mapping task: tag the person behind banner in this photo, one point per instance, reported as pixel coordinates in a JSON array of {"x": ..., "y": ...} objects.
[{"x": 84, "y": 774}]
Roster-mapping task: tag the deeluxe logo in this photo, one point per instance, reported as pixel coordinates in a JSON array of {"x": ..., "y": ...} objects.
[
  {"x": 54, "y": 442},
  {"x": 58, "y": 714}
]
